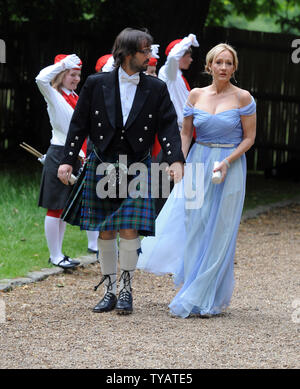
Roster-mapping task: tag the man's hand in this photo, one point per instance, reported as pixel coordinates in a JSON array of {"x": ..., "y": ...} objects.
[
  {"x": 64, "y": 173},
  {"x": 176, "y": 171}
]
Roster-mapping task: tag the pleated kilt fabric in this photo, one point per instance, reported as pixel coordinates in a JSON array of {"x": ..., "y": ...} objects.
[
  {"x": 72, "y": 211},
  {"x": 115, "y": 214}
]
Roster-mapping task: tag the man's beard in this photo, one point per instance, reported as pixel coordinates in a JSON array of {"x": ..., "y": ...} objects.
[{"x": 135, "y": 67}]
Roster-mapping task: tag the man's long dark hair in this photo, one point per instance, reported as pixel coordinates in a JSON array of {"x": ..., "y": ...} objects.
[{"x": 129, "y": 41}]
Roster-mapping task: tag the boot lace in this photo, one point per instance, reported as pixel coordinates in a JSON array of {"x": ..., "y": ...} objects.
[
  {"x": 110, "y": 284},
  {"x": 124, "y": 294}
]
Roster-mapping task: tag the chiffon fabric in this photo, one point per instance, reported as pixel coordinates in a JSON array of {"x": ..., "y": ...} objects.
[{"x": 195, "y": 239}]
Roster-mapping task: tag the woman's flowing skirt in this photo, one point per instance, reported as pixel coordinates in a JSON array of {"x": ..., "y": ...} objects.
[{"x": 196, "y": 238}]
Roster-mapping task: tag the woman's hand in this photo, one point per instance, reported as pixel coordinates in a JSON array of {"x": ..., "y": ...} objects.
[
  {"x": 222, "y": 167},
  {"x": 176, "y": 171}
]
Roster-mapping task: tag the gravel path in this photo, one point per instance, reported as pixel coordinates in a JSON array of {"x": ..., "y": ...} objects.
[{"x": 49, "y": 324}]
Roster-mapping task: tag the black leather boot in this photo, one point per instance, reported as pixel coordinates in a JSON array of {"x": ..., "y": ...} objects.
[
  {"x": 108, "y": 302},
  {"x": 124, "y": 303}
]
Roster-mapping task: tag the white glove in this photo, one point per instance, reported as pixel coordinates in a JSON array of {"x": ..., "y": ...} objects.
[
  {"x": 155, "y": 49},
  {"x": 42, "y": 159},
  {"x": 193, "y": 38},
  {"x": 109, "y": 66},
  {"x": 71, "y": 61}
]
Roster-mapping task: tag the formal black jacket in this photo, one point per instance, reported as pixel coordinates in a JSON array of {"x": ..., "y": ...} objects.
[{"x": 96, "y": 112}]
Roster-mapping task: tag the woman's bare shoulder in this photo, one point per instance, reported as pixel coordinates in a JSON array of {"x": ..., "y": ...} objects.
[
  {"x": 244, "y": 97},
  {"x": 198, "y": 91},
  {"x": 195, "y": 94}
]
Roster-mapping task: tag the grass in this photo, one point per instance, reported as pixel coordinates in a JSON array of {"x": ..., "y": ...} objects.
[{"x": 23, "y": 246}]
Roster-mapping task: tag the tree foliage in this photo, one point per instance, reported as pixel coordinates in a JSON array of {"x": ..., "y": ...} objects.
[
  {"x": 285, "y": 13},
  {"x": 39, "y": 11},
  {"x": 164, "y": 19}
]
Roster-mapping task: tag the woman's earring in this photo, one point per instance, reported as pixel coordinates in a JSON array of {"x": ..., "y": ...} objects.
[{"x": 233, "y": 76}]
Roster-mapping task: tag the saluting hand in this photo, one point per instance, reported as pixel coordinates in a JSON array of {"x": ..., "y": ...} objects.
[
  {"x": 71, "y": 61},
  {"x": 193, "y": 39}
]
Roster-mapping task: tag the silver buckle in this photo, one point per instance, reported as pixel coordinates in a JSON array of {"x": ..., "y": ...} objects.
[{"x": 217, "y": 145}]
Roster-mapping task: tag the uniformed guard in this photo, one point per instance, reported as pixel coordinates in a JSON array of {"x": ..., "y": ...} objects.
[
  {"x": 179, "y": 58},
  {"x": 58, "y": 83},
  {"x": 121, "y": 111}
]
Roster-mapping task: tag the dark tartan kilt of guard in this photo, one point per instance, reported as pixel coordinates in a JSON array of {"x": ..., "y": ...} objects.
[
  {"x": 87, "y": 210},
  {"x": 53, "y": 193}
]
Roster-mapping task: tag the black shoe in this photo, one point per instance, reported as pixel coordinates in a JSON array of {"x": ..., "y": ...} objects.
[
  {"x": 74, "y": 261},
  {"x": 124, "y": 303},
  {"x": 92, "y": 251},
  {"x": 66, "y": 263},
  {"x": 107, "y": 304}
]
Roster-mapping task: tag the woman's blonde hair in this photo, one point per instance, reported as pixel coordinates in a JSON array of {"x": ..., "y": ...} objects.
[
  {"x": 216, "y": 51},
  {"x": 57, "y": 81}
]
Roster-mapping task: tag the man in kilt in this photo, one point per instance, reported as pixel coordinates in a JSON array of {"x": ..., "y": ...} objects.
[{"x": 121, "y": 111}]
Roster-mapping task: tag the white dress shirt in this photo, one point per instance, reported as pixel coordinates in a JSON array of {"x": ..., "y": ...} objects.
[
  {"x": 59, "y": 110},
  {"x": 127, "y": 92},
  {"x": 172, "y": 76}
]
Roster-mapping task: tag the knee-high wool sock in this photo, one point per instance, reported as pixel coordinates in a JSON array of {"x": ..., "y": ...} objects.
[
  {"x": 62, "y": 229},
  {"x": 52, "y": 226},
  {"x": 128, "y": 257},
  {"x": 92, "y": 239},
  {"x": 108, "y": 257}
]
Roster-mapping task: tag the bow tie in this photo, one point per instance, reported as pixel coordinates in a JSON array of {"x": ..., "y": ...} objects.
[{"x": 135, "y": 79}]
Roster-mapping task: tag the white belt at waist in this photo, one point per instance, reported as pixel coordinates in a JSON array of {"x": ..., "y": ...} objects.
[{"x": 209, "y": 144}]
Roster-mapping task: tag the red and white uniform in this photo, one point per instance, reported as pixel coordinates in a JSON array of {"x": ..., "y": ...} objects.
[
  {"x": 60, "y": 106},
  {"x": 171, "y": 74}
]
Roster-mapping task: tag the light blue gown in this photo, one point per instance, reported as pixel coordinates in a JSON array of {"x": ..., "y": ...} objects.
[{"x": 198, "y": 245}]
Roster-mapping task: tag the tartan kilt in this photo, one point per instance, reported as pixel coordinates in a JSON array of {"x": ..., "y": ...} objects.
[{"x": 95, "y": 214}]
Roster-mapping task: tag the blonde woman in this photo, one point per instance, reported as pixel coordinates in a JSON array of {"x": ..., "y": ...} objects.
[
  {"x": 58, "y": 83},
  {"x": 205, "y": 236}
]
